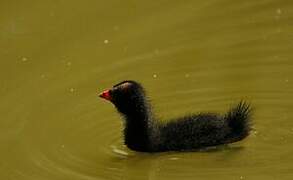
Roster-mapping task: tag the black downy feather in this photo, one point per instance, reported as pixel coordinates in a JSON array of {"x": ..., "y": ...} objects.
[{"x": 142, "y": 132}]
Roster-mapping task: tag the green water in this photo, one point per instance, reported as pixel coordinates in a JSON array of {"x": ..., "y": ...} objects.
[{"x": 191, "y": 56}]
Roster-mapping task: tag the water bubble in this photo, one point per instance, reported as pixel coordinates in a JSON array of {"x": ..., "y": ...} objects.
[
  {"x": 116, "y": 28},
  {"x": 279, "y": 12},
  {"x": 52, "y": 14},
  {"x": 23, "y": 59},
  {"x": 157, "y": 51}
]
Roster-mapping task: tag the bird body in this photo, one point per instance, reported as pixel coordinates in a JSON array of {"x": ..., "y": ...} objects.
[{"x": 143, "y": 132}]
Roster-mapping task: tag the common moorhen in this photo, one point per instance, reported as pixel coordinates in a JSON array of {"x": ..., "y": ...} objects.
[{"x": 142, "y": 132}]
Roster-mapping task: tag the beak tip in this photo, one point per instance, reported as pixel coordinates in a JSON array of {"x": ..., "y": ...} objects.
[{"x": 105, "y": 95}]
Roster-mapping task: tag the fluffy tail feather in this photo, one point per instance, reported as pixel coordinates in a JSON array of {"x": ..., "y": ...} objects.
[{"x": 239, "y": 121}]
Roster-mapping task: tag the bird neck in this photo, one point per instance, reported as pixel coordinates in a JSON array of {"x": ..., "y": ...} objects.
[{"x": 137, "y": 128}]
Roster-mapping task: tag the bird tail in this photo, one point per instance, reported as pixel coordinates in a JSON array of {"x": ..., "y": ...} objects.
[{"x": 239, "y": 121}]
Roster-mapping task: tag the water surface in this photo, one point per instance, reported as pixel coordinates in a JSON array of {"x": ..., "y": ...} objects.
[{"x": 191, "y": 56}]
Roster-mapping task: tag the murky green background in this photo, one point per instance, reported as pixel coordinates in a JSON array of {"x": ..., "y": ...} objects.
[{"x": 191, "y": 56}]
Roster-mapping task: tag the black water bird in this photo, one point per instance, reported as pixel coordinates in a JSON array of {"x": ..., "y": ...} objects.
[{"x": 142, "y": 132}]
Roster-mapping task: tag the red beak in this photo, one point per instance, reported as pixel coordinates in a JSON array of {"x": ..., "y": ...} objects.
[{"x": 106, "y": 95}]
